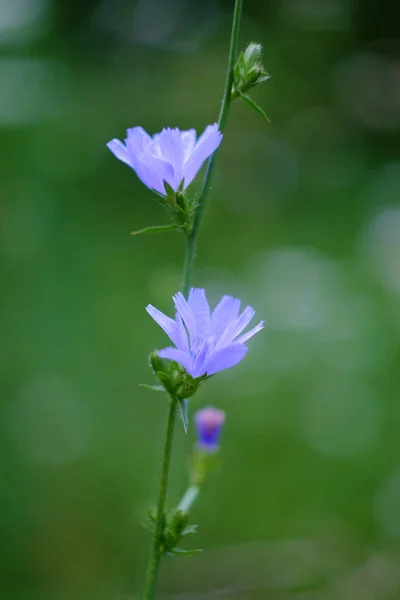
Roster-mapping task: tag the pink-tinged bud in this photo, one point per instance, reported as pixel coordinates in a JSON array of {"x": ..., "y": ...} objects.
[{"x": 209, "y": 423}]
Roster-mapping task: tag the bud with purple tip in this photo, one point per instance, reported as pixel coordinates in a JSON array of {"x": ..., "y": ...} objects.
[{"x": 209, "y": 423}]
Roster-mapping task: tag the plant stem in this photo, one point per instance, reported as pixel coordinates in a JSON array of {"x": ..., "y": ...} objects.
[
  {"x": 223, "y": 114},
  {"x": 188, "y": 268},
  {"x": 157, "y": 549}
]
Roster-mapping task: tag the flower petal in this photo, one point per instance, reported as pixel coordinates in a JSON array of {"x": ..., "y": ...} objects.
[
  {"x": 246, "y": 336},
  {"x": 139, "y": 132},
  {"x": 235, "y": 327},
  {"x": 188, "y": 138},
  {"x": 201, "y": 309},
  {"x": 167, "y": 324},
  {"x": 207, "y": 143},
  {"x": 225, "y": 358},
  {"x": 186, "y": 314},
  {"x": 120, "y": 151},
  {"x": 179, "y": 356},
  {"x": 200, "y": 358},
  {"x": 224, "y": 313},
  {"x": 183, "y": 336},
  {"x": 169, "y": 147},
  {"x": 150, "y": 169}
]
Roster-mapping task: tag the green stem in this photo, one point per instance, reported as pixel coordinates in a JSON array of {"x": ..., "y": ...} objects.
[
  {"x": 157, "y": 548},
  {"x": 223, "y": 114}
]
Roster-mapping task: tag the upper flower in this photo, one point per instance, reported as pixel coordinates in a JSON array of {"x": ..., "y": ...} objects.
[
  {"x": 206, "y": 342},
  {"x": 172, "y": 155}
]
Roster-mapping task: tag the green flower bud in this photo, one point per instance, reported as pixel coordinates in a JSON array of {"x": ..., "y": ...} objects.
[
  {"x": 248, "y": 70},
  {"x": 253, "y": 54}
]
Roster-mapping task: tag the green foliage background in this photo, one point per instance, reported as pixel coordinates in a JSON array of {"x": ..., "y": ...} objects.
[{"x": 303, "y": 224}]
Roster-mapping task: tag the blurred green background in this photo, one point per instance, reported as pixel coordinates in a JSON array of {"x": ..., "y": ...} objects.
[{"x": 303, "y": 223}]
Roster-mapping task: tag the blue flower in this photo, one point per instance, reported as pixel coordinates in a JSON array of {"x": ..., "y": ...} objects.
[
  {"x": 209, "y": 423},
  {"x": 172, "y": 155},
  {"x": 206, "y": 342}
]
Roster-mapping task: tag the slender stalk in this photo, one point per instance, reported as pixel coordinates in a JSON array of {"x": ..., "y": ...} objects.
[
  {"x": 157, "y": 548},
  {"x": 189, "y": 498},
  {"x": 190, "y": 254},
  {"x": 188, "y": 265},
  {"x": 223, "y": 114}
]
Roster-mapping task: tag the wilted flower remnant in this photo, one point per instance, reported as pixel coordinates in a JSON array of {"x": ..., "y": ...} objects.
[
  {"x": 209, "y": 422},
  {"x": 172, "y": 156},
  {"x": 206, "y": 342}
]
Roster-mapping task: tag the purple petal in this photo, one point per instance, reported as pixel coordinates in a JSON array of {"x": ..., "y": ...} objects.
[
  {"x": 120, "y": 151},
  {"x": 186, "y": 314},
  {"x": 183, "y": 336},
  {"x": 246, "y": 336},
  {"x": 149, "y": 176},
  {"x": 201, "y": 309},
  {"x": 168, "y": 146},
  {"x": 179, "y": 356},
  {"x": 188, "y": 141},
  {"x": 167, "y": 324},
  {"x": 224, "y": 313},
  {"x": 236, "y": 327},
  {"x": 207, "y": 143},
  {"x": 225, "y": 358},
  {"x": 140, "y": 133},
  {"x": 200, "y": 361},
  {"x": 150, "y": 169}
]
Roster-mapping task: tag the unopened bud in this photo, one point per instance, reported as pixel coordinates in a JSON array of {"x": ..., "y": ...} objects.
[{"x": 249, "y": 70}]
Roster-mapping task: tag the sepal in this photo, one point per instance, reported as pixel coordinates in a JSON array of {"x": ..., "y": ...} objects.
[
  {"x": 180, "y": 206},
  {"x": 184, "y": 413},
  {"x": 176, "y": 528},
  {"x": 175, "y": 380}
]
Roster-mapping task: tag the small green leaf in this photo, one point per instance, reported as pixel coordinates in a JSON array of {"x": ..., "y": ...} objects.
[
  {"x": 190, "y": 529},
  {"x": 151, "y": 515},
  {"x": 254, "y": 106},
  {"x": 183, "y": 552},
  {"x": 155, "y": 388},
  {"x": 184, "y": 413},
  {"x": 155, "y": 229}
]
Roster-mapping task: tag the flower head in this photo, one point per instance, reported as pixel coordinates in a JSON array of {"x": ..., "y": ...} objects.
[
  {"x": 209, "y": 423},
  {"x": 206, "y": 342},
  {"x": 172, "y": 155}
]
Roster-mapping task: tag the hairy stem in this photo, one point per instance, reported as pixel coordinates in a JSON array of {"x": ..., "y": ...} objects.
[
  {"x": 223, "y": 114},
  {"x": 157, "y": 549}
]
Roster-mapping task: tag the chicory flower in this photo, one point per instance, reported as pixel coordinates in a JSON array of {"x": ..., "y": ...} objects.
[
  {"x": 172, "y": 155},
  {"x": 206, "y": 342}
]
